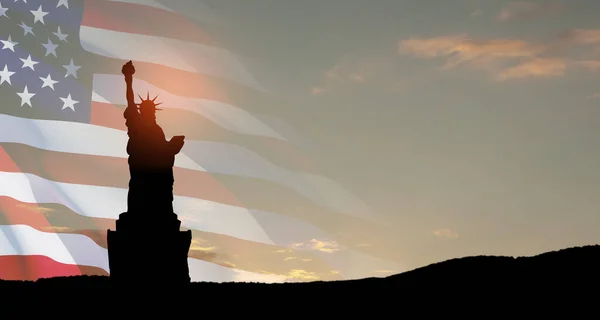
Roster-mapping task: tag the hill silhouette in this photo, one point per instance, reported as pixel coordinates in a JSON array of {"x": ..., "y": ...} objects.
[{"x": 562, "y": 273}]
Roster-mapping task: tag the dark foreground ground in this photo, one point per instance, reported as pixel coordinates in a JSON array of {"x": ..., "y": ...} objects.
[{"x": 530, "y": 282}]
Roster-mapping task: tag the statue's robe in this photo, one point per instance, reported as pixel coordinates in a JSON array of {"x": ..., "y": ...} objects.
[{"x": 151, "y": 161}]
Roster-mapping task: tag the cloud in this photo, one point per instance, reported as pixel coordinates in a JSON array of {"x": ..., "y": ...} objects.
[
  {"x": 294, "y": 275},
  {"x": 342, "y": 73},
  {"x": 244, "y": 276},
  {"x": 445, "y": 233},
  {"x": 196, "y": 245},
  {"x": 318, "y": 245},
  {"x": 587, "y": 40},
  {"x": 302, "y": 275},
  {"x": 462, "y": 50},
  {"x": 346, "y": 71},
  {"x": 36, "y": 208},
  {"x": 537, "y": 67},
  {"x": 591, "y": 65},
  {"x": 352, "y": 70},
  {"x": 56, "y": 229},
  {"x": 528, "y": 9},
  {"x": 583, "y": 36},
  {"x": 200, "y": 250},
  {"x": 504, "y": 59}
]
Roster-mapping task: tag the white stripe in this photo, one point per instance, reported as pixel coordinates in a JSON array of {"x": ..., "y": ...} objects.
[
  {"x": 214, "y": 157},
  {"x": 75, "y": 249},
  {"x": 72, "y": 137},
  {"x": 178, "y": 54},
  {"x": 191, "y": 8},
  {"x": 111, "y": 89},
  {"x": 230, "y": 159},
  {"x": 106, "y": 202},
  {"x": 63, "y": 248},
  {"x": 195, "y": 214}
]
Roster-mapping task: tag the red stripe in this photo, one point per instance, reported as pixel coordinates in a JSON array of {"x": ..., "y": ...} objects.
[
  {"x": 197, "y": 127},
  {"x": 145, "y": 20},
  {"x": 37, "y": 267},
  {"x": 45, "y": 218},
  {"x": 14, "y": 217}
]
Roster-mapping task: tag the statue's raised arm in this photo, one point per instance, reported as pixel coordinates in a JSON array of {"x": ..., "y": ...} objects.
[{"x": 131, "y": 111}]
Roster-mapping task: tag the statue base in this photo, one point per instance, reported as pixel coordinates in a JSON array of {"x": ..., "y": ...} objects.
[{"x": 148, "y": 249}]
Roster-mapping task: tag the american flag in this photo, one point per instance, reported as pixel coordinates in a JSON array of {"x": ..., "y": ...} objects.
[{"x": 257, "y": 206}]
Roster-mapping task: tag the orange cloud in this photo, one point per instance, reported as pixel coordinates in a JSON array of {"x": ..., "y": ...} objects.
[
  {"x": 294, "y": 275},
  {"x": 37, "y": 208},
  {"x": 445, "y": 233},
  {"x": 318, "y": 245},
  {"x": 196, "y": 245},
  {"x": 302, "y": 275},
  {"x": 352, "y": 70},
  {"x": 244, "y": 276},
  {"x": 462, "y": 50},
  {"x": 537, "y": 67},
  {"x": 56, "y": 229},
  {"x": 504, "y": 59}
]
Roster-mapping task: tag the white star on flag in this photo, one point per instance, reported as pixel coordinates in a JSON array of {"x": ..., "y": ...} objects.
[
  {"x": 71, "y": 69},
  {"x": 68, "y": 102},
  {"x": 5, "y": 75},
  {"x": 9, "y": 44},
  {"x": 25, "y": 96},
  {"x": 50, "y": 48},
  {"x": 28, "y": 62},
  {"x": 48, "y": 82},
  {"x": 64, "y": 3},
  {"x": 38, "y": 15}
]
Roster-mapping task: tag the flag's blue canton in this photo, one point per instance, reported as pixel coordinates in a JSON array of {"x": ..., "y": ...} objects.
[{"x": 57, "y": 75}]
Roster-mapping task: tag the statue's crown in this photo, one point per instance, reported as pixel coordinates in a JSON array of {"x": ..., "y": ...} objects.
[{"x": 148, "y": 103}]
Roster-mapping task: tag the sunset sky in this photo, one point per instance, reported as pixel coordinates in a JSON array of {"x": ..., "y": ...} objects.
[{"x": 470, "y": 126}]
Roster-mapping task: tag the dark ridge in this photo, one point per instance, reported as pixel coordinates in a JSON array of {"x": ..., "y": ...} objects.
[{"x": 576, "y": 267}]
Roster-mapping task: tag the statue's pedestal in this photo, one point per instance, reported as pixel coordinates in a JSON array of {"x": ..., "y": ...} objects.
[{"x": 149, "y": 249}]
